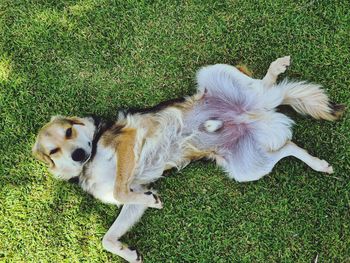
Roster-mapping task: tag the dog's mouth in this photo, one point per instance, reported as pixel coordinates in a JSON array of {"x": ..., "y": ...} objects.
[
  {"x": 86, "y": 160},
  {"x": 90, "y": 153}
]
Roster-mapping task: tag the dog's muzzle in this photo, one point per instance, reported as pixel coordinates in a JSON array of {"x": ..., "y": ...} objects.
[{"x": 79, "y": 155}]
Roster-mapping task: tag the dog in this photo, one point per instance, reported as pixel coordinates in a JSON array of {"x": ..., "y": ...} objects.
[{"x": 232, "y": 119}]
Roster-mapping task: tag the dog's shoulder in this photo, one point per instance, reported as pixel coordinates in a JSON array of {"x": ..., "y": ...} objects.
[{"x": 111, "y": 135}]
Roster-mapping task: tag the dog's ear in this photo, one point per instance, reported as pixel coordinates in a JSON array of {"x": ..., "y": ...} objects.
[
  {"x": 75, "y": 120},
  {"x": 70, "y": 120},
  {"x": 41, "y": 156},
  {"x": 56, "y": 118}
]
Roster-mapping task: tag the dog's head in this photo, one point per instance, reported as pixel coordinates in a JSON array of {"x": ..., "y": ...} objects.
[{"x": 65, "y": 145}]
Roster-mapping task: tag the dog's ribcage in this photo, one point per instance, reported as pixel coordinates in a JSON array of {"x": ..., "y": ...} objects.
[{"x": 164, "y": 148}]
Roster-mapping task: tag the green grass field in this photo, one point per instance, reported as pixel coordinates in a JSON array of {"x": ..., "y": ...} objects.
[{"x": 93, "y": 57}]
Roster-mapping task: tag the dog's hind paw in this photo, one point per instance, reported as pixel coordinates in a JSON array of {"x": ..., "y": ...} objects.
[
  {"x": 280, "y": 65},
  {"x": 323, "y": 166},
  {"x": 327, "y": 168}
]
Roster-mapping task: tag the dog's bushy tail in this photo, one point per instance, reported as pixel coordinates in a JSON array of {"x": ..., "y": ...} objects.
[{"x": 310, "y": 99}]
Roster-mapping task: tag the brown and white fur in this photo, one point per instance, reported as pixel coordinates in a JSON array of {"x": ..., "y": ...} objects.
[{"x": 115, "y": 161}]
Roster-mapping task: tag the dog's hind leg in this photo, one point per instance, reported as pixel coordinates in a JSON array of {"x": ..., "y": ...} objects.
[
  {"x": 128, "y": 216},
  {"x": 277, "y": 67},
  {"x": 253, "y": 164},
  {"x": 222, "y": 78},
  {"x": 291, "y": 149}
]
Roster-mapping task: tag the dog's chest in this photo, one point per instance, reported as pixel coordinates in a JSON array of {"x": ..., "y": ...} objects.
[
  {"x": 160, "y": 150},
  {"x": 100, "y": 176}
]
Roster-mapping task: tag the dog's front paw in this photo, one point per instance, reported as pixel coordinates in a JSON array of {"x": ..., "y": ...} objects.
[
  {"x": 154, "y": 200},
  {"x": 136, "y": 256},
  {"x": 280, "y": 65}
]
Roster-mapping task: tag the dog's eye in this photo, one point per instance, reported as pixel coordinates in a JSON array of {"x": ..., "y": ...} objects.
[
  {"x": 53, "y": 151},
  {"x": 69, "y": 133}
]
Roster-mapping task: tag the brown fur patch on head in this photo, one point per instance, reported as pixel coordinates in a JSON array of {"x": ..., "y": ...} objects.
[{"x": 244, "y": 69}]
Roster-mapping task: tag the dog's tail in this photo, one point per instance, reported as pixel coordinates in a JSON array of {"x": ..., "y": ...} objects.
[{"x": 309, "y": 99}]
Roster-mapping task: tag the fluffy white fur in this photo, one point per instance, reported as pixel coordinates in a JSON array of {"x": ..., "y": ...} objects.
[
  {"x": 268, "y": 143},
  {"x": 244, "y": 135},
  {"x": 256, "y": 155}
]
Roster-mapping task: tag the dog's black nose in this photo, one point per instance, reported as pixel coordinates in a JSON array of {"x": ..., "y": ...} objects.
[{"x": 79, "y": 155}]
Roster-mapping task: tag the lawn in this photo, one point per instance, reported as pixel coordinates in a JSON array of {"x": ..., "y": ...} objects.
[{"x": 95, "y": 56}]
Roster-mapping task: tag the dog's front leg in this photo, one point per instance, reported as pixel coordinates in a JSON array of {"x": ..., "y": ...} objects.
[
  {"x": 128, "y": 216},
  {"x": 126, "y": 162}
]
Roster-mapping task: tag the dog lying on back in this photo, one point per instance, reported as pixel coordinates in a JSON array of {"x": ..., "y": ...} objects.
[{"x": 231, "y": 120}]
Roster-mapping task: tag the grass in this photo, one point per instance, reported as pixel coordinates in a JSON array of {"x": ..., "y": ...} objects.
[{"x": 82, "y": 57}]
